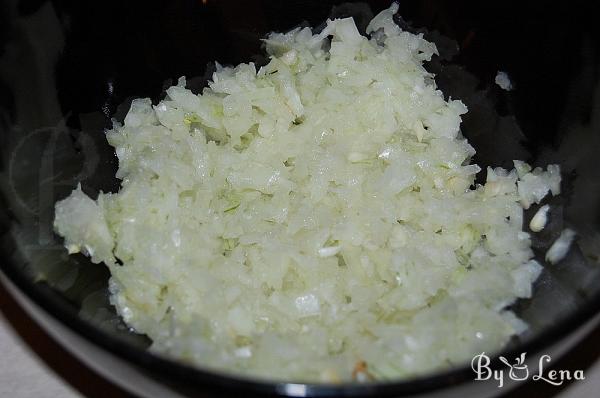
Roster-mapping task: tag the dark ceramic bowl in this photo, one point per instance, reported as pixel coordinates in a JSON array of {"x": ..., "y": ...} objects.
[{"x": 67, "y": 67}]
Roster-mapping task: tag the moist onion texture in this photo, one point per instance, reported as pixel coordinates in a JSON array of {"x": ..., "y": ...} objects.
[{"x": 315, "y": 219}]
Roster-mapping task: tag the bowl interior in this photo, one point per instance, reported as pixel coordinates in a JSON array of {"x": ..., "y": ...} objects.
[{"x": 66, "y": 70}]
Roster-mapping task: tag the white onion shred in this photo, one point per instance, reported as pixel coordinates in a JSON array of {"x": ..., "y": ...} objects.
[
  {"x": 540, "y": 218},
  {"x": 294, "y": 221},
  {"x": 503, "y": 81},
  {"x": 561, "y": 246}
]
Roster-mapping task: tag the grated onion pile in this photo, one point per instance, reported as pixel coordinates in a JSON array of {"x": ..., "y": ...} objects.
[{"x": 315, "y": 219}]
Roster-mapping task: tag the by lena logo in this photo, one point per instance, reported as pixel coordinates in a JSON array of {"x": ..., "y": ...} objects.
[{"x": 519, "y": 371}]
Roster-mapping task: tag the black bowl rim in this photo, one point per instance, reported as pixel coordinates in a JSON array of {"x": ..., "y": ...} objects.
[{"x": 45, "y": 297}]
